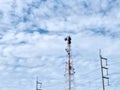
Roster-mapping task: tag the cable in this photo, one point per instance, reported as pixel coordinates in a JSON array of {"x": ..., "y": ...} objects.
[
  {"x": 91, "y": 72},
  {"x": 114, "y": 73},
  {"x": 114, "y": 63}
]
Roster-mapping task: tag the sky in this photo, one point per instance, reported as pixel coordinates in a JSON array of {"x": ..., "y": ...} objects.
[{"x": 32, "y": 43}]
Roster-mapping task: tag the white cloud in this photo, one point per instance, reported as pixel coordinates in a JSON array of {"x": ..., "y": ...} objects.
[{"x": 25, "y": 52}]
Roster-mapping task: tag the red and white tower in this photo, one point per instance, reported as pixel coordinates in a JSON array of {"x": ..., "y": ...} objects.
[{"x": 69, "y": 69}]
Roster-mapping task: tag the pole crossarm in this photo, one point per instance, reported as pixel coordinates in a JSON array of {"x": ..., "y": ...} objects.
[{"x": 105, "y": 67}]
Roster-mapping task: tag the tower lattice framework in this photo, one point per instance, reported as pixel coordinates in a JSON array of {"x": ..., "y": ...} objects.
[{"x": 69, "y": 69}]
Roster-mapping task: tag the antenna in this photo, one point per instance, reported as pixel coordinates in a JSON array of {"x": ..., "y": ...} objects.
[
  {"x": 38, "y": 85},
  {"x": 102, "y": 70},
  {"x": 69, "y": 70}
]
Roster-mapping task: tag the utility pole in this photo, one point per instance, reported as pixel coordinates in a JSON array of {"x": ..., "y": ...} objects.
[
  {"x": 69, "y": 70},
  {"x": 102, "y": 70},
  {"x": 38, "y": 85}
]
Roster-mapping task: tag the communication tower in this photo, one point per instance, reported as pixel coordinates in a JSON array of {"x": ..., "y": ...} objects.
[{"x": 69, "y": 69}]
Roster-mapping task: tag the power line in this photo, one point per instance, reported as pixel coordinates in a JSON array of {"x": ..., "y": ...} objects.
[
  {"x": 88, "y": 73},
  {"x": 92, "y": 81},
  {"x": 114, "y": 73},
  {"x": 114, "y": 63}
]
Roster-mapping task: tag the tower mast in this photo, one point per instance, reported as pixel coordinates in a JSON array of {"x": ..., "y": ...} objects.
[
  {"x": 38, "y": 85},
  {"x": 69, "y": 71}
]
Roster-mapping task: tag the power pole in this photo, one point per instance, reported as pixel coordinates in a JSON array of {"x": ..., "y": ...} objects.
[
  {"x": 102, "y": 70},
  {"x": 69, "y": 70},
  {"x": 38, "y": 85}
]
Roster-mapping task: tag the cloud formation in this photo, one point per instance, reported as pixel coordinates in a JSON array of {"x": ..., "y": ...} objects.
[{"x": 32, "y": 42}]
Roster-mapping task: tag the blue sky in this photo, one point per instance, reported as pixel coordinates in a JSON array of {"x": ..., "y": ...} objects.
[{"x": 32, "y": 42}]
